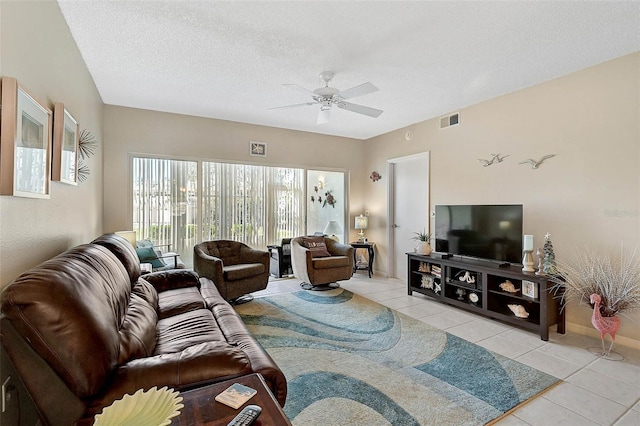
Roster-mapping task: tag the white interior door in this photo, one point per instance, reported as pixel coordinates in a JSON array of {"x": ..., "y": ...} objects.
[{"x": 409, "y": 208}]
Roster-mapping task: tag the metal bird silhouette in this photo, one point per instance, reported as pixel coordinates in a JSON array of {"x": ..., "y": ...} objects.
[
  {"x": 535, "y": 164},
  {"x": 495, "y": 157}
]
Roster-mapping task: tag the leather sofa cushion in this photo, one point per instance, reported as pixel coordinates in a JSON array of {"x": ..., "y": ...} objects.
[
  {"x": 330, "y": 262},
  {"x": 179, "y": 332},
  {"x": 246, "y": 270},
  {"x": 168, "y": 280},
  {"x": 70, "y": 308},
  {"x": 138, "y": 332},
  {"x": 124, "y": 251},
  {"x": 178, "y": 301}
]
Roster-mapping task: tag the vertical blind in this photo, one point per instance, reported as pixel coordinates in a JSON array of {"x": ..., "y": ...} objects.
[
  {"x": 164, "y": 203},
  {"x": 257, "y": 205}
]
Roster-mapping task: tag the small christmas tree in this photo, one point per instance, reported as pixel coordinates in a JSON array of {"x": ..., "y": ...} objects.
[{"x": 549, "y": 262}]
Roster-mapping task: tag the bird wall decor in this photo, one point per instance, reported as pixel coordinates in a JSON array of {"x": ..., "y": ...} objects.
[
  {"x": 494, "y": 158},
  {"x": 535, "y": 164}
]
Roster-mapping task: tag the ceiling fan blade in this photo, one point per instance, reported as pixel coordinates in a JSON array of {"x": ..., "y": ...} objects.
[
  {"x": 300, "y": 89},
  {"x": 323, "y": 116},
  {"x": 360, "y": 109},
  {"x": 363, "y": 89},
  {"x": 293, "y": 106}
]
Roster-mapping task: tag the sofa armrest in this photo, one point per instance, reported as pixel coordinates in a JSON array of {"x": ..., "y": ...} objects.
[
  {"x": 195, "y": 366},
  {"x": 172, "y": 279}
]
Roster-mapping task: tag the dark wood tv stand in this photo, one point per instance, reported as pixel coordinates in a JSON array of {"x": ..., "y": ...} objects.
[{"x": 440, "y": 276}]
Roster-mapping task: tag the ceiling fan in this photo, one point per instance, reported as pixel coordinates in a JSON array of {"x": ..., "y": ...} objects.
[{"x": 327, "y": 96}]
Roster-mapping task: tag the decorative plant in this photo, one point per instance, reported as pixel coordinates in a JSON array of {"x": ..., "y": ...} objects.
[
  {"x": 422, "y": 236},
  {"x": 615, "y": 278}
]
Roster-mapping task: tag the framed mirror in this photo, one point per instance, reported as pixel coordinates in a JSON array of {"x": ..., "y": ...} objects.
[{"x": 65, "y": 146}]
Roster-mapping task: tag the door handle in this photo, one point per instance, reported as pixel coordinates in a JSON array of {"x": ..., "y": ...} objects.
[{"x": 395, "y": 226}]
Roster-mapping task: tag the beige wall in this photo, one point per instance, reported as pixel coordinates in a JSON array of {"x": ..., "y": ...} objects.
[
  {"x": 588, "y": 195},
  {"x": 36, "y": 48},
  {"x": 129, "y": 130}
]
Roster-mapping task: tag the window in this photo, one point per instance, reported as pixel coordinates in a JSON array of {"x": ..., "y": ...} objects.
[
  {"x": 256, "y": 205},
  {"x": 164, "y": 203}
]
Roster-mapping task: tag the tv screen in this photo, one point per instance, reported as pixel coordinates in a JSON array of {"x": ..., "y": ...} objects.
[{"x": 484, "y": 231}]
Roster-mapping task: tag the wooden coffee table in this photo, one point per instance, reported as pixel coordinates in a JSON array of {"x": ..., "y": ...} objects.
[{"x": 200, "y": 407}]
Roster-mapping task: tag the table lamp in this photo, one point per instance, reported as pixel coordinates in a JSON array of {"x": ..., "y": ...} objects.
[
  {"x": 332, "y": 230},
  {"x": 129, "y": 236},
  {"x": 361, "y": 223}
]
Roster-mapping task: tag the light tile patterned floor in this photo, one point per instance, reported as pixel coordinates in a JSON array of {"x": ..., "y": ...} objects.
[{"x": 594, "y": 391}]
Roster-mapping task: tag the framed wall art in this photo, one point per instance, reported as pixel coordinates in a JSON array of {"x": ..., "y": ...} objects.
[
  {"x": 25, "y": 143},
  {"x": 65, "y": 146},
  {"x": 530, "y": 289},
  {"x": 258, "y": 149}
]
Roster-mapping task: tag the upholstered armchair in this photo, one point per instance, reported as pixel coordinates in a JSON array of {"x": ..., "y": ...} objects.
[
  {"x": 321, "y": 261},
  {"x": 235, "y": 268}
]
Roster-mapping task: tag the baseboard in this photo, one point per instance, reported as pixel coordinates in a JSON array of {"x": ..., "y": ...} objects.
[{"x": 592, "y": 332}]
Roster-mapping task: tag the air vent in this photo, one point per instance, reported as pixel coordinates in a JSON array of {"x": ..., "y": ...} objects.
[{"x": 450, "y": 120}]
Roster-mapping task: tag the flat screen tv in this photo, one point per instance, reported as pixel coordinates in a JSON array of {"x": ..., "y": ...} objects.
[{"x": 492, "y": 232}]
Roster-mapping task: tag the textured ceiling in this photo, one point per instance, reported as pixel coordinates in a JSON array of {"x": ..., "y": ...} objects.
[{"x": 228, "y": 60}]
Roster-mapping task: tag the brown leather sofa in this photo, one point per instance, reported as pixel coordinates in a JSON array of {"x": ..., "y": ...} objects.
[
  {"x": 84, "y": 328},
  {"x": 318, "y": 260}
]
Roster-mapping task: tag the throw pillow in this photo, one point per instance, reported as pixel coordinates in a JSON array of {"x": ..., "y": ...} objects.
[
  {"x": 316, "y": 246},
  {"x": 148, "y": 255}
]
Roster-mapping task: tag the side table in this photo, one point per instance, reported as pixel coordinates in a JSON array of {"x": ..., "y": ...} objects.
[
  {"x": 369, "y": 246},
  {"x": 201, "y": 408}
]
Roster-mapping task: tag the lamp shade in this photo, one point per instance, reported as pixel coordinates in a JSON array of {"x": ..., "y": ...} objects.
[
  {"x": 362, "y": 222},
  {"x": 129, "y": 236},
  {"x": 332, "y": 228}
]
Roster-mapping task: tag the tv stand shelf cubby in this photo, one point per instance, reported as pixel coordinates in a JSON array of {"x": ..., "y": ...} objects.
[{"x": 488, "y": 289}]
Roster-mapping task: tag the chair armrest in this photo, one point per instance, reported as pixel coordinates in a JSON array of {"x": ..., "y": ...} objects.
[
  {"x": 172, "y": 279},
  {"x": 339, "y": 249},
  {"x": 251, "y": 255},
  {"x": 210, "y": 267},
  {"x": 170, "y": 256}
]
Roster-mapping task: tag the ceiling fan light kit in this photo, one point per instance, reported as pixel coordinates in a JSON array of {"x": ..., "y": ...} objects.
[{"x": 327, "y": 96}]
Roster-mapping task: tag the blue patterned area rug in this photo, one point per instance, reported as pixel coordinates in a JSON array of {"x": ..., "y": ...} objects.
[{"x": 351, "y": 361}]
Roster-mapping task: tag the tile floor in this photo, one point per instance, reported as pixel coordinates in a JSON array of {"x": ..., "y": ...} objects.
[{"x": 594, "y": 391}]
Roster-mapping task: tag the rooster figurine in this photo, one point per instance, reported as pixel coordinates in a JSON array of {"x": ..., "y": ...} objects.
[{"x": 604, "y": 325}]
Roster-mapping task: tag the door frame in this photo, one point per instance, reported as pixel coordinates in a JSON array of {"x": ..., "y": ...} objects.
[{"x": 391, "y": 162}]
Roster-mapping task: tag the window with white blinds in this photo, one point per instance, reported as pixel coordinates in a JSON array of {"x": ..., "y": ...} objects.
[
  {"x": 257, "y": 205},
  {"x": 164, "y": 203}
]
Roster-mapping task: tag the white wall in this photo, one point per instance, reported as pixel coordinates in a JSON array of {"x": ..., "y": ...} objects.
[
  {"x": 588, "y": 195},
  {"x": 36, "y": 48}
]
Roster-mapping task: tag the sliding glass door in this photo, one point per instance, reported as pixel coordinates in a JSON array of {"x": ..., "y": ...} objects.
[
  {"x": 180, "y": 203},
  {"x": 256, "y": 205},
  {"x": 164, "y": 203}
]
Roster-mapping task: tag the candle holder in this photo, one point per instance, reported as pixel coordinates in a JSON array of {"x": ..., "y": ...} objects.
[
  {"x": 527, "y": 261},
  {"x": 527, "y": 258}
]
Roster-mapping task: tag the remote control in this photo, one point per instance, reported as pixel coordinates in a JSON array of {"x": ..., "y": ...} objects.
[{"x": 246, "y": 416}]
